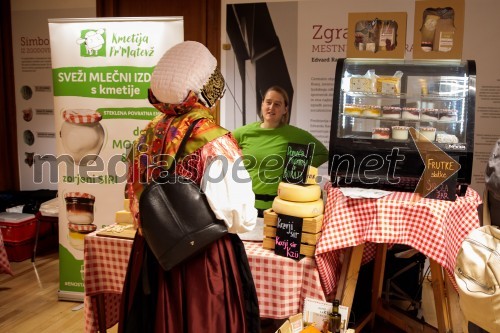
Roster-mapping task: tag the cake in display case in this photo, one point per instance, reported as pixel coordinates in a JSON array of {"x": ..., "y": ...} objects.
[{"x": 377, "y": 104}]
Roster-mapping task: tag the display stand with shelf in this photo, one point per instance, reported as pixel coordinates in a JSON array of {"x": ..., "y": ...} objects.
[{"x": 370, "y": 117}]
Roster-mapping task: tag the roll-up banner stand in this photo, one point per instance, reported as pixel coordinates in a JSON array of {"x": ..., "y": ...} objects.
[{"x": 101, "y": 70}]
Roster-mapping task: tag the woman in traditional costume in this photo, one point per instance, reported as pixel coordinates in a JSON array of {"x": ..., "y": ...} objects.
[{"x": 213, "y": 291}]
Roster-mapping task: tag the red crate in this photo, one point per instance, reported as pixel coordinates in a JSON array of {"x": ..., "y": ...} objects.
[
  {"x": 48, "y": 236},
  {"x": 17, "y": 227},
  {"x": 19, "y": 251},
  {"x": 48, "y": 226}
]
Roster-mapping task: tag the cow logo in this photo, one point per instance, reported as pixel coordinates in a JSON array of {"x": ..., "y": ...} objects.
[{"x": 92, "y": 43}]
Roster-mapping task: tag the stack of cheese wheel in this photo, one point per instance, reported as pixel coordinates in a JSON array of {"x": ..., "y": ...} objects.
[
  {"x": 124, "y": 216},
  {"x": 302, "y": 201}
]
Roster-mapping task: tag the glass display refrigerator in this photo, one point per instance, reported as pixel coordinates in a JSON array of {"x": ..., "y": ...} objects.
[{"x": 377, "y": 103}]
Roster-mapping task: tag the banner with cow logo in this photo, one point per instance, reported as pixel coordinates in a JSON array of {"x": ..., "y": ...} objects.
[{"x": 101, "y": 70}]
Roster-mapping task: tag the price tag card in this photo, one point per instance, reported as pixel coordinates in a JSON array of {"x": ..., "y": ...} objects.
[
  {"x": 298, "y": 158},
  {"x": 288, "y": 235}
]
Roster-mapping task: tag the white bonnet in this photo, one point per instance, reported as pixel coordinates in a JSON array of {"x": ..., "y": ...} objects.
[{"x": 185, "y": 67}]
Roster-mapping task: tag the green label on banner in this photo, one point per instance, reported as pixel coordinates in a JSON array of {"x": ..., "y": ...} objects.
[
  {"x": 143, "y": 113},
  {"x": 120, "y": 82},
  {"x": 71, "y": 275}
]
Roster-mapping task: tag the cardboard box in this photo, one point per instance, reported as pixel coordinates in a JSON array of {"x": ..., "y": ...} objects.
[
  {"x": 376, "y": 35},
  {"x": 293, "y": 324},
  {"x": 439, "y": 29},
  {"x": 17, "y": 227}
]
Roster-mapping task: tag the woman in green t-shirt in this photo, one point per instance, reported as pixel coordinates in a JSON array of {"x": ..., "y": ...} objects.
[{"x": 264, "y": 144}]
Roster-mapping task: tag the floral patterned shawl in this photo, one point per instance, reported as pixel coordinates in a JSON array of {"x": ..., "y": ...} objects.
[{"x": 160, "y": 140}]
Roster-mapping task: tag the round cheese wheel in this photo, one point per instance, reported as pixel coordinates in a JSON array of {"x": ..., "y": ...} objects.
[
  {"x": 298, "y": 209},
  {"x": 299, "y": 193}
]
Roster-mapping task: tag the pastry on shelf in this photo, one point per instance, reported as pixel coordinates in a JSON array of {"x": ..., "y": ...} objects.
[
  {"x": 400, "y": 132},
  {"x": 393, "y": 112},
  {"x": 381, "y": 133},
  {"x": 447, "y": 115},
  {"x": 411, "y": 113},
  {"x": 446, "y": 138},
  {"x": 429, "y": 114},
  {"x": 371, "y": 111},
  {"x": 428, "y": 132},
  {"x": 353, "y": 110}
]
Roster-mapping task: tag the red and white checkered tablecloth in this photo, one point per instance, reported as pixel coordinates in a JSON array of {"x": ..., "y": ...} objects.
[
  {"x": 4, "y": 259},
  {"x": 105, "y": 266},
  {"x": 436, "y": 228},
  {"x": 281, "y": 283}
]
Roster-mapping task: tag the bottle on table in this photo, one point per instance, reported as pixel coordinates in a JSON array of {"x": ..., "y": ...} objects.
[{"x": 335, "y": 317}]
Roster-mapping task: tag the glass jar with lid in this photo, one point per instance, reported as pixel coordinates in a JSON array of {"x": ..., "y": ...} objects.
[
  {"x": 82, "y": 135},
  {"x": 79, "y": 207}
]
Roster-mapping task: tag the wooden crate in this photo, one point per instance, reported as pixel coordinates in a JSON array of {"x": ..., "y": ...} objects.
[
  {"x": 305, "y": 237},
  {"x": 311, "y": 225},
  {"x": 311, "y": 232}
]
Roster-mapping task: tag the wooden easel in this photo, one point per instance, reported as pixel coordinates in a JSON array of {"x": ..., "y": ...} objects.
[{"x": 347, "y": 287}]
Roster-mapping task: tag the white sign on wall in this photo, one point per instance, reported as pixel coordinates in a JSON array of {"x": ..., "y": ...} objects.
[{"x": 36, "y": 135}]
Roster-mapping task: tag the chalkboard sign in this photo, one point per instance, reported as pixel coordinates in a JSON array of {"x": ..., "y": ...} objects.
[
  {"x": 288, "y": 235},
  {"x": 298, "y": 158},
  {"x": 440, "y": 177},
  {"x": 445, "y": 191}
]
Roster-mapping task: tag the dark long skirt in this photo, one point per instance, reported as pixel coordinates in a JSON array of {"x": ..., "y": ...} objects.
[{"x": 212, "y": 292}]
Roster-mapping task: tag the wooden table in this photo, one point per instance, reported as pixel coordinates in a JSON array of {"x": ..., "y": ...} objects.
[
  {"x": 281, "y": 283},
  {"x": 361, "y": 229}
]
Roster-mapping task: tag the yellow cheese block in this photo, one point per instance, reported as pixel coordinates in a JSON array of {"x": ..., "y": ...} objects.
[
  {"x": 123, "y": 217},
  {"x": 299, "y": 193},
  {"x": 305, "y": 237},
  {"x": 298, "y": 209},
  {"x": 310, "y": 224},
  {"x": 126, "y": 204},
  {"x": 312, "y": 174},
  {"x": 388, "y": 84},
  {"x": 307, "y": 250},
  {"x": 360, "y": 84}
]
